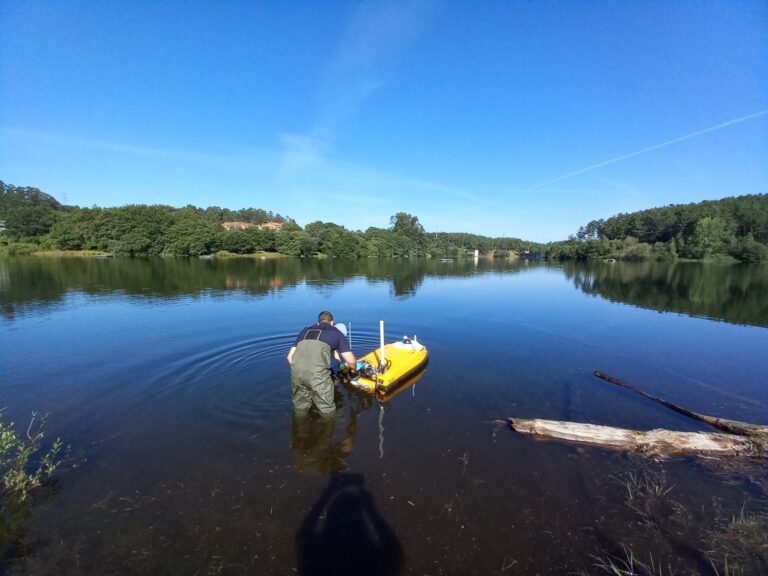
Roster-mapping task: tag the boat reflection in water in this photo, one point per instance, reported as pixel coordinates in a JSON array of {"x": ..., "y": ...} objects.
[
  {"x": 343, "y": 533},
  {"x": 316, "y": 446},
  {"x": 386, "y": 398},
  {"x": 409, "y": 384}
]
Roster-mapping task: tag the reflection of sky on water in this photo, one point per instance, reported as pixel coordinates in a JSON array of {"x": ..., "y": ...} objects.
[
  {"x": 498, "y": 315},
  {"x": 178, "y": 399}
]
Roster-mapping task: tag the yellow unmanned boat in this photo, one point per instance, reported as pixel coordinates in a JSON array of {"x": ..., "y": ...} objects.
[{"x": 390, "y": 365}]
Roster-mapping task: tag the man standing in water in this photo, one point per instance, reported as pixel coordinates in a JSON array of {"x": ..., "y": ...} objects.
[{"x": 310, "y": 360}]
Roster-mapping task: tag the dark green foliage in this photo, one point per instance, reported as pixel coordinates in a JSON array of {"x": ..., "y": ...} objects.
[
  {"x": 591, "y": 231},
  {"x": 26, "y": 212},
  {"x": 191, "y": 235},
  {"x": 710, "y": 229},
  {"x": 135, "y": 230},
  {"x": 154, "y": 230},
  {"x": 749, "y": 251},
  {"x": 729, "y": 228},
  {"x": 708, "y": 238},
  {"x": 295, "y": 243},
  {"x": 485, "y": 244},
  {"x": 407, "y": 225},
  {"x": 237, "y": 241},
  {"x": 743, "y": 214},
  {"x": 139, "y": 230},
  {"x": 336, "y": 241},
  {"x": 638, "y": 251},
  {"x": 250, "y": 215},
  {"x": 263, "y": 240},
  {"x": 75, "y": 230},
  {"x": 389, "y": 244}
]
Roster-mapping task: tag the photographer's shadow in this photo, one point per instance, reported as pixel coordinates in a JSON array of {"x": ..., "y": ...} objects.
[{"x": 345, "y": 535}]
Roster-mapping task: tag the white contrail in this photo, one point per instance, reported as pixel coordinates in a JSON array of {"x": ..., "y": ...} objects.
[{"x": 649, "y": 149}]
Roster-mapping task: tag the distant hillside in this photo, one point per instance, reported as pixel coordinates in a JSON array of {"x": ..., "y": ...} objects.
[
  {"x": 731, "y": 228},
  {"x": 27, "y": 212},
  {"x": 31, "y": 219},
  {"x": 35, "y": 221},
  {"x": 735, "y": 227},
  {"x": 742, "y": 215}
]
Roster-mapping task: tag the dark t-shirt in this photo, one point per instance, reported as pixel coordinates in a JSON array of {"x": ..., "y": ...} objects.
[{"x": 329, "y": 334}]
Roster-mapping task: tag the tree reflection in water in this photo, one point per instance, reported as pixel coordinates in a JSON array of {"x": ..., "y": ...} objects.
[{"x": 732, "y": 293}]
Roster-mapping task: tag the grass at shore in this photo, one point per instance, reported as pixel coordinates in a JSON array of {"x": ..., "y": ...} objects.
[
  {"x": 69, "y": 253},
  {"x": 257, "y": 255},
  {"x": 34, "y": 250}
]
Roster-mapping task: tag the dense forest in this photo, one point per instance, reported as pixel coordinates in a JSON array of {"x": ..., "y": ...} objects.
[
  {"x": 31, "y": 220},
  {"x": 35, "y": 221},
  {"x": 715, "y": 229}
]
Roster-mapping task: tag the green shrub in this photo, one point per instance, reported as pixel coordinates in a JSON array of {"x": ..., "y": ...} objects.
[
  {"x": 749, "y": 251},
  {"x": 21, "y": 248},
  {"x": 22, "y": 467}
]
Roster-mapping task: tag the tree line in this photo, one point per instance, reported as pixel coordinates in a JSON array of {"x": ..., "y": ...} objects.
[
  {"x": 734, "y": 227},
  {"x": 36, "y": 220},
  {"x": 731, "y": 228}
]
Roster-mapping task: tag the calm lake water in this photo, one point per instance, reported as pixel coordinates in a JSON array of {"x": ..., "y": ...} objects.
[{"x": 168, "y": 378}]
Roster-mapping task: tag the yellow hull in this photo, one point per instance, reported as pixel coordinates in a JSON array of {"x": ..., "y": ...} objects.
[{"x": 403, "y": 361}]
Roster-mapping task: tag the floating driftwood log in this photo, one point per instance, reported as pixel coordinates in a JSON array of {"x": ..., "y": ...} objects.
[
  {"x": 740, "y": 439},
  {"x": 652, "y": 443}
]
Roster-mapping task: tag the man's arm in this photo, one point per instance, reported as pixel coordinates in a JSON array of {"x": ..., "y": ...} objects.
[
  {"x": 290, "y": 354},
  {"x": 349, "y": 358}
]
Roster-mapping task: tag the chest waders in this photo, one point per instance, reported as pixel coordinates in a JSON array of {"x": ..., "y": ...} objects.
[{"x": 311, "y": 374}]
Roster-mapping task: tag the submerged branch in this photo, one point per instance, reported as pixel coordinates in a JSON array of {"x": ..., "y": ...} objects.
[{"x": 729, "y": 426}]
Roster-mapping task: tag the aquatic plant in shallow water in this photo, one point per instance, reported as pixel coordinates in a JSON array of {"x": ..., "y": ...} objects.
[
  {"x": 19, "y": 471},
  {"x": 23, "y": 469},
  {"x": 631, "y": 566},
  {"x": 740, "y": 543}
]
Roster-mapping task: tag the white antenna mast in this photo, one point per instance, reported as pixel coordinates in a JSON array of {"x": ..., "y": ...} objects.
[{"x": 382, "y": 364}]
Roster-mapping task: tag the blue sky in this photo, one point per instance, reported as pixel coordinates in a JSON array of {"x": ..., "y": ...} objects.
[{"x": 515, "y": 118}]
